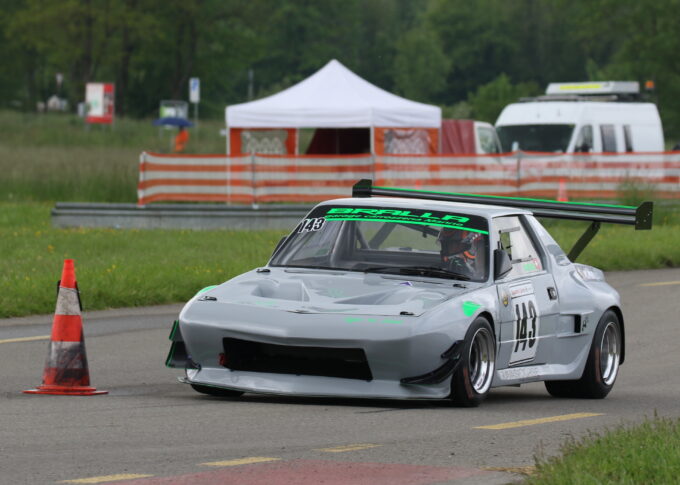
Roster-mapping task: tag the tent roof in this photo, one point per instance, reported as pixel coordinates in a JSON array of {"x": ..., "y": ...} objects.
[{"x": 333, "y": 97}]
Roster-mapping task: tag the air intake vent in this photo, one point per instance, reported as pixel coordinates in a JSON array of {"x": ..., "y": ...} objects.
[{"x": 252, "y": 356}]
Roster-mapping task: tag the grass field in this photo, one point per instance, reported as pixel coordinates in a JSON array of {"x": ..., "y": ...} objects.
[
  {"x": 54, "y": 157},
  {"x": 648, "y": 453},
  {"x": 115, "y": 268},
  {"x": 622, "y": 247}
]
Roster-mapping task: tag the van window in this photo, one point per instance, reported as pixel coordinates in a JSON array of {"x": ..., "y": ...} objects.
[
  {"x": 536, "y": 138},
  {"x": 487, "y": 139},
  {"x": 628, "y": 138},
  {"x": 608, "y": 138},
  {"x": 584, "y": 142}
]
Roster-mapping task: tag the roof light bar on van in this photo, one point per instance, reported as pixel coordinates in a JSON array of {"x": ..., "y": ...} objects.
[
  {"x": 604, "y": 87},
  {"x": 640, "y": 217}
]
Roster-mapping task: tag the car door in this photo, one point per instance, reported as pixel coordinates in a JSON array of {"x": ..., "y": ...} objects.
[{"x": 528, "y": 298}]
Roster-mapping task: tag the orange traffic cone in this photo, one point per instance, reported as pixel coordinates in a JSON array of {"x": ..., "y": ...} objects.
[
  {"x": 562, "y": 191},
  {"x": 66, "y": 370}
]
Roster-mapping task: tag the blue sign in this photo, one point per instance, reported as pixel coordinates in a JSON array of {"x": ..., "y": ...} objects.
[{"x": 194, "y": 90}]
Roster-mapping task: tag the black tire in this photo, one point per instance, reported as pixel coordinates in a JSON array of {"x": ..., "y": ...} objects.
[
  {"x": 562, "y": 388},
  {"x": 216, "y": 391},
  {"x": 472, "y": 379},
  {"x": 602, "y": 365}
]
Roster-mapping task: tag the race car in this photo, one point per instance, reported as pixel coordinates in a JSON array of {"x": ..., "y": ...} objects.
[{"x": 409, "y": 294}]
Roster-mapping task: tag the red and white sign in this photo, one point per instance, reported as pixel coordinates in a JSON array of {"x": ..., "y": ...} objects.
[{"x": 100, "y": 100}]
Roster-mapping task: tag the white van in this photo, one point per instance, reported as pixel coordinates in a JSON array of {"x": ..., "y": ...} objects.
[{"x": 583, "y": 117}]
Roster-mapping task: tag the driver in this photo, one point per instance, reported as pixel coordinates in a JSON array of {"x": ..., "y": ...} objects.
[{"x": 458, "y": 250}]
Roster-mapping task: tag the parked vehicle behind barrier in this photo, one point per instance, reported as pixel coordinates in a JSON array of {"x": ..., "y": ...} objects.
[
  {"x": 583, "y": 117},
  {"x": 465, "y": 137}
]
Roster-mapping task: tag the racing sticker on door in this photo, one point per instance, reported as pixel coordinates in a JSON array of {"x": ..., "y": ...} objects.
[{"x": 526, "y": 322}]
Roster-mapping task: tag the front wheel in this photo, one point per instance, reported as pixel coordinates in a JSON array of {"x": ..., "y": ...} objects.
[
  {"x": 216, "y": 391},
  {"x": 602, "y": 365},
  {"x": 471, "y": 381}
]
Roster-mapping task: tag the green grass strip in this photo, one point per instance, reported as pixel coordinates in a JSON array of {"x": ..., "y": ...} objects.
[
  {"x": 645, "y": 453},
  {"x": 116, "y": 267}
]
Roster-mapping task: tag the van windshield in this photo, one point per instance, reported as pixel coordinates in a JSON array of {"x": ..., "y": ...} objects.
[{"x": 536, "y": 138}]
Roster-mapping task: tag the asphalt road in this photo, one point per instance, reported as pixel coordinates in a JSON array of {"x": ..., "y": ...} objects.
[{"x": 152, "y": 429}]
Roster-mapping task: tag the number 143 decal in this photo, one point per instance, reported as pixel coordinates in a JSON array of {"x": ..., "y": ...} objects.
[
  {"x": 314, "y": 224},
  {"x": 525, "y": 329}
]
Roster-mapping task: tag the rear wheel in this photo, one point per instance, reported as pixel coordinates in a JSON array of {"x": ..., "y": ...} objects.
[
  {"x": 602, "y": 366},
  {"x": 216, "y": 391},
  {"x": 472, "y": 380}
]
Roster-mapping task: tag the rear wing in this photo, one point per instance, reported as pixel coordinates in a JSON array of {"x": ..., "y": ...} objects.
[{"x": 640, "y": 217}]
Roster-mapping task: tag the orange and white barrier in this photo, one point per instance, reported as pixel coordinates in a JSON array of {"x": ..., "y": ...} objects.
[
  {"x": 280, "y": 178},
  {"x": 196, "y": 178},
  {"x": 248, "y": 179},
  {"x": 593, "y": 176},
  {"x": 311, "y": 178}
]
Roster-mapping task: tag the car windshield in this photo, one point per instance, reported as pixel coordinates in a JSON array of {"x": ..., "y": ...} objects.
[
  {"x": 535, "y": 138},
  {"x": 404, "y": 241}
]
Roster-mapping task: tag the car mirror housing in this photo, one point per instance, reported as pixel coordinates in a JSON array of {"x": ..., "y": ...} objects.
[{"x": 501, "y": 264}]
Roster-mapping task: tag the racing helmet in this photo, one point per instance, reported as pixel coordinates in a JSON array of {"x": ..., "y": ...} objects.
[{"x": 454, "y": 242}]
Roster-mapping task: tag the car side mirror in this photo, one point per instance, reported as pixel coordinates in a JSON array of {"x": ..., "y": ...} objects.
[{"x": 501, "y": 264}]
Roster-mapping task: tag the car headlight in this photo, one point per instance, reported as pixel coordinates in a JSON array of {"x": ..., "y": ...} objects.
[{"x": 588, "y": 273}]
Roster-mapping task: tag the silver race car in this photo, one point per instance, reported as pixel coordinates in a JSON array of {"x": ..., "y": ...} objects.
[{"x": 409, "y": 294}]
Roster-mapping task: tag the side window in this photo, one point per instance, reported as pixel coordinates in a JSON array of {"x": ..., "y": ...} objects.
[
  {"x": 513, "y": 238},
  {"x": 608, "y": 138},
  {"x": 628, "y": 138},
  {"x": 487, "y": 140},
  {"x": 584, "y": 142}
]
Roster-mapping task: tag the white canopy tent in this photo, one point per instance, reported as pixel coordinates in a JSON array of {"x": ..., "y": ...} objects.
[{"x": 333, "y": 97}]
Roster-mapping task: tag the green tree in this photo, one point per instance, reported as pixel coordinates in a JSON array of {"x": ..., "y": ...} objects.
[
  {"x": 420, "y": 66},
  {"x": 489, "y": 99},
  {"x": 476, "y": 40},
  {"x": 383, "y": 25},
  {"x": 642, "y": 40}
]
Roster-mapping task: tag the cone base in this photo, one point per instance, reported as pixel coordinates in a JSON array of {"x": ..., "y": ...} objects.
[{"x": 66, "y": 390}]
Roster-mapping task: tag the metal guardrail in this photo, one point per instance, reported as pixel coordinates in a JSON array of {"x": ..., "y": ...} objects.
[{"x": 177, "y": 216}]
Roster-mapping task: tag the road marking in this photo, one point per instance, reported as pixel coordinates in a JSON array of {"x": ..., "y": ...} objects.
[
  {"x": 24, "y": 339},
  {"x": 342, "y": 449},
  {"x": 531, "y": 422},
  {"x": 241, "y": 461},
  {"x": 662, "y": 283},
  {"x": 107, "y": 478}
]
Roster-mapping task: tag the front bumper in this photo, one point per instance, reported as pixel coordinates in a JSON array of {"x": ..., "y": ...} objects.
[
  {"x": 392, "y": 349},
  {"x": 312, "y": 386}
]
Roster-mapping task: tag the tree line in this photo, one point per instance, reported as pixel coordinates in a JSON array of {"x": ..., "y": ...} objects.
[{"x": 470, "y": 57}]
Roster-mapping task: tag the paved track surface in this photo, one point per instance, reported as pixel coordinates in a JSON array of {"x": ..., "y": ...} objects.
[{"x": 150, "y": 429}]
